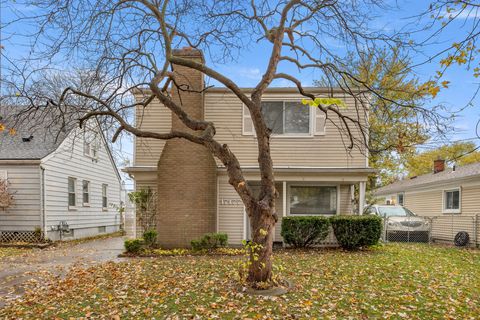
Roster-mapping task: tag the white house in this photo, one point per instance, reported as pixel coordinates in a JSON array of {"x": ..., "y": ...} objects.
[{"x": 65, "y": 184}]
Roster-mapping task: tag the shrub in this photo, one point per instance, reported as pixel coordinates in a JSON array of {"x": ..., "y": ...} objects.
[
  {"x": 150, "y": 238},
  {"x": 353, "y": 232},
  {"x": 134, "y": 245},
  {"x": 305, "y": 231},
  {"x": 210, "y": 241}
]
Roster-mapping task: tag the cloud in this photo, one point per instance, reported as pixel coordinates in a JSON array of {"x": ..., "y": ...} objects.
[
  {"x": 463, "y": 14},
  {"x": 249, "y": 73}
]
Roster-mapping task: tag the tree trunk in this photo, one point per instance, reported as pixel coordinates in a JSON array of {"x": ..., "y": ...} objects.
[{"x": 262, "y": 222}]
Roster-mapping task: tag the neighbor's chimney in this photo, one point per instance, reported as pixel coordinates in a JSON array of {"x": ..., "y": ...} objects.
[
  {"x": 188, "y": 86},
  {"x": 438, "y": 165}
]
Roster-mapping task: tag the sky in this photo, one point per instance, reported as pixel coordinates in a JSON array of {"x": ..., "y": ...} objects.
[{"x": 248, "y": 68}]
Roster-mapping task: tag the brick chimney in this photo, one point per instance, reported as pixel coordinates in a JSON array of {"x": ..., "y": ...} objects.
[
  {"x": 186, "y": 171},
  {"x": 438, "y": 165}
]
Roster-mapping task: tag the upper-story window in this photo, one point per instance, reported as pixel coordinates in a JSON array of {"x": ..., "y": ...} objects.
[{"x": 288, "y": 118}]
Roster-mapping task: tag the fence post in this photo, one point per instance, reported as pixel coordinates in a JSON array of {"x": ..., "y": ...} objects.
[{"x": 475, "y": 230}]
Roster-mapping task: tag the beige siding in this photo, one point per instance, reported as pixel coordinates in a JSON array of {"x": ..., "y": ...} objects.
[
  {"x": 155, "y": 118},
  {"x": 329, "y": 150},
  {"x": 225, "y": 110},
  {"x": 231, "y": 218},
  {"x": 425, "y": 203},
  {"x": 471, "y": 200},
  {"x": 345, "y": 200},
  {"x": 445, "y": 226},
  {"x": 24, "y": 182}
]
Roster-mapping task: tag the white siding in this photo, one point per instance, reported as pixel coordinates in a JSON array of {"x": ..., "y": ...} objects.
[
  {"x": 69, "y": 161},
  {"x": 24, "y": 182}
]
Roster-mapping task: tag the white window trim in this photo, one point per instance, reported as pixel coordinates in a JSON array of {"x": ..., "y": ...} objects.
[
  {"x": 86, "y": 204},
  {"x": 398, "y": 202},
  {"x": 74, "y": 192},
  {"x": 304, "y": 184},
  {"x": 452, "y": 211},
  {"x": 311, "y": 115},
  {"x": 106, "y": 195}
]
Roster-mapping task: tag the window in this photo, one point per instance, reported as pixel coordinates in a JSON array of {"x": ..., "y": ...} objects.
[
  {"x": 313, "y": 200},
  {"x": 72, "y": 201},
  {"x": 90, "y": 145},
  {"x": 86, "y": 192},
  {"x": 400, "y": 199},
  {"x": 451, "y": 201},
  {"x": 104, "y": 196},
  {"x": 285, "y": 117}
]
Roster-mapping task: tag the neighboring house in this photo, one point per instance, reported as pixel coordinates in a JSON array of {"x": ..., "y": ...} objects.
[
  {"x": 445, "y": 191},
  {"x": 59, "y": 177},
  {"x": 315, "y": 173}
]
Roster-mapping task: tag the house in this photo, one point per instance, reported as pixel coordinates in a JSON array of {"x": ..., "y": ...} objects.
[
  {"x": 315, "y": 173},
  {"x": 445, "y": 191},
  {"x": 64, "y": 182}
]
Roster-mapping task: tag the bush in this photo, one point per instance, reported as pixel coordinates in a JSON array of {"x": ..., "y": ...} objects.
[
  {"x": 134, "y": 245},
  {"x": 210, "y": 241},
  {"x": 150, "y": 238},
  {"x": 305, "y": 231},
  {"x": 353, "y": 232}
]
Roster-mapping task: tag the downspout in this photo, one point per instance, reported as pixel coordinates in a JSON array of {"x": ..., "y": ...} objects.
[{"x": 42, "y": 201}]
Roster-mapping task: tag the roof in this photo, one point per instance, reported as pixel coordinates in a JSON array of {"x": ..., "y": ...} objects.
[
  {"x": 33, "y": 139},
  {"x": 463, "y": 172},
  {"x": 292, "y": 90}
]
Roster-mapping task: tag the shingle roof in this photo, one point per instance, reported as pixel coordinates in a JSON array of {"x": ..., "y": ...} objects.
[
  {"x": 470, "y": 170},
  {"x": 45, "y": 138}
]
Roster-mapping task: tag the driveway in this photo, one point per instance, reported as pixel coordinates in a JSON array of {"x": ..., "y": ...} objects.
[{"x": 16, "y": 271}]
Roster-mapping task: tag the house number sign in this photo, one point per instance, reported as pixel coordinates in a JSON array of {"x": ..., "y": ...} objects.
[{"x": 230, "y": 202}]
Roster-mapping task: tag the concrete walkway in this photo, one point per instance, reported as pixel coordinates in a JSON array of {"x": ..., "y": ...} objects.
[{"x": 16, "y": 271}]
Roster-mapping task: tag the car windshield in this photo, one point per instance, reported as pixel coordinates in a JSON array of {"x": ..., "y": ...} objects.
[{"x": 395, "y": 211}]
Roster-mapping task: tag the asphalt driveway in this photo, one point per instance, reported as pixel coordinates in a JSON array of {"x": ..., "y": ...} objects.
[{"x": 17, "y": 271}]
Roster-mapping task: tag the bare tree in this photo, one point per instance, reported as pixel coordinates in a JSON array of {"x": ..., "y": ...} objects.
[{"x": 129, "y": 44}]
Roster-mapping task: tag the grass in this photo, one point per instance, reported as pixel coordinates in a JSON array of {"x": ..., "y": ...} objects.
[
  {"x": 6, "y": 252},
  {"x": 392, "y": 282}
]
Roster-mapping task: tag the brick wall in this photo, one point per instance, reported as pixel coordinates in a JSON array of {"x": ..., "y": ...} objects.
[{"x": 186, "y": 171}]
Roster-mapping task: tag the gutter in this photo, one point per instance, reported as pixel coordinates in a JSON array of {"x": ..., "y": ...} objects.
[
  {"x": 20, "y": 161},
  {"x": 42, "y": 201}
]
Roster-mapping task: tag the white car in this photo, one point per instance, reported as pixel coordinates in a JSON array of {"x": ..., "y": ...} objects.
[{"x": 401, "y": 224}]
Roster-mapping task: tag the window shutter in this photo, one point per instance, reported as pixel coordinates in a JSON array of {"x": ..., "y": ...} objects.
[
  {"x": 247, "y": 127},
  {"x": 320, "y": 120}
]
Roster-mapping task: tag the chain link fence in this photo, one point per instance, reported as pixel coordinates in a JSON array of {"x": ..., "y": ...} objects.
[{"x": 447, "y": 229}]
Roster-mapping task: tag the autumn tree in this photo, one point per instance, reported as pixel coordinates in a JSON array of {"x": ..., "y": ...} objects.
[
  {"x": 394, "y": 131},
  {"x": 129, "y": 44},
  {"x": 458, "y": 154}
]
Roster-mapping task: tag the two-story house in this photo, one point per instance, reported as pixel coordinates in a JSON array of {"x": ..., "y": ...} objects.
[
  {"x": 65, "y": 183},
  {"x": 315, "y": 173}
]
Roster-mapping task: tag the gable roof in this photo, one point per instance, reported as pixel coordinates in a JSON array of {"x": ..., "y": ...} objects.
[
  {"x": 467, "y": 171},
  {"x": 46, "y": 136}
]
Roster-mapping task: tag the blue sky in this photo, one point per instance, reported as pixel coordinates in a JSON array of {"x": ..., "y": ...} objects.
[{"x": 247, "y": 70}]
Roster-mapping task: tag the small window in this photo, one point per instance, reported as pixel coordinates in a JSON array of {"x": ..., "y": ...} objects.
[
  {"x": 312, "y": 200},
  {"x": 90, "y": 145},
  {"x": 72, "y": 201},
  {"x": 451, "y": 201},
  {"x": 104, "y": 196},
  {"x": 400, "y": 199},
  {"x": 287, "y": 118},
  {"x": 86, "y": 192}
]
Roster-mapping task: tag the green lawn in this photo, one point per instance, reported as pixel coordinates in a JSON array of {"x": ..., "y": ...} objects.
[{"x": 392, "y": 281}]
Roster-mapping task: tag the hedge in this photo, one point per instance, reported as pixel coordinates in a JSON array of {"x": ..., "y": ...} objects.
[
  {"x": 210, "y": 241},
  {"x": 354, "y": 232},
  {"x": 304, "y": 231}
]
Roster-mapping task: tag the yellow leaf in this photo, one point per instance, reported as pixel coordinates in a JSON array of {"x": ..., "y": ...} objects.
[
  {"x": 12, "y": 131},
  {"x": 2, "y": 127}
]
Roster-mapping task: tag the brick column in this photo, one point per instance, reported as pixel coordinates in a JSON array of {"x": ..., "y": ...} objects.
[{"x": 186, "y": 171}]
